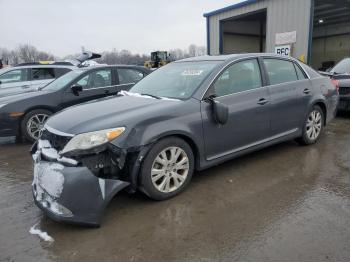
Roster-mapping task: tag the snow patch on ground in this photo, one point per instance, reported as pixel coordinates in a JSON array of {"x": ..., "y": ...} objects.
[{"x": 43, "y": 235}]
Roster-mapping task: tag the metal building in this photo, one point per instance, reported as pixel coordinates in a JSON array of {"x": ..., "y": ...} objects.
[{"x": 315, "y": 31}]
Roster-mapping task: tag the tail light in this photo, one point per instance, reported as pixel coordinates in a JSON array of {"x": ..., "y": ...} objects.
[{"x": 335, "y": 83}]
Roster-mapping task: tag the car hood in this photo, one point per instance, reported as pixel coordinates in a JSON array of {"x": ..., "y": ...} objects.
[{"x": 109, "y": 113}]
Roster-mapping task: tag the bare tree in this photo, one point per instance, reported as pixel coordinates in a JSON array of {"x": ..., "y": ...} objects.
[
  {"x": 28, "y": 53},
  {"x": 22, "y": 54}
]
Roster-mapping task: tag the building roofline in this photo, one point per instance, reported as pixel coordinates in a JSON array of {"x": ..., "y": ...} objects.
[{"x": 229, "y": 8}]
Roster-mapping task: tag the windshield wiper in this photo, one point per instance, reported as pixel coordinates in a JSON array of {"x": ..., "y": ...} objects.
[{"x": 156, "y": 97}]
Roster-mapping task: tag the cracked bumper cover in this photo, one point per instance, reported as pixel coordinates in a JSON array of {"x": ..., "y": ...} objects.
[{"x": 70, "y": 193}]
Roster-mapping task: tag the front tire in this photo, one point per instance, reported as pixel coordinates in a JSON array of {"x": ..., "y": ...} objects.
[
  {"x": 33, "y": 123},
  {"x": 313, "y": 126},
  {"x": 167, "y": 168}
]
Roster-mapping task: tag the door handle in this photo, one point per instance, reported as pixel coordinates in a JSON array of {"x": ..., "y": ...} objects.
[
  {"x": 106, "y": 91},
  {"x": 262, "y": 101},
  {"x": 306, "y": 91},
  {"x": 25, "y": 86}
]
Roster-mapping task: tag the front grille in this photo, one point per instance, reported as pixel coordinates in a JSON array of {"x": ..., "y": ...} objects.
[
  {"x": 344, "y": 90},
  {"x": 57, "y": 142}
]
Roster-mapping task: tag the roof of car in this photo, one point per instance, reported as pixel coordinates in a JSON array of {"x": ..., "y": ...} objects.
[
  {"x": 72, "y": 67},
  {"x": 108, "y": 66},
  {"x": 229, "y": 57},
  {"x": 41, "y": 66}
]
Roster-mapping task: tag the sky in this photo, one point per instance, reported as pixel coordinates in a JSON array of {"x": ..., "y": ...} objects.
[{"x": 62, "y": 27}]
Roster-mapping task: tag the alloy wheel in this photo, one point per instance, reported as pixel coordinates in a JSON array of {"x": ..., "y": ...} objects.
[
  {"x": 170, "y": 169},
  {"x": 314, "y": 125},
  {"x": 36, "y": 124}
]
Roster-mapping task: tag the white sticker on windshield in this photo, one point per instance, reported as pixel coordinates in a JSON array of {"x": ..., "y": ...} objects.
[{"x": 192, "y": 72}]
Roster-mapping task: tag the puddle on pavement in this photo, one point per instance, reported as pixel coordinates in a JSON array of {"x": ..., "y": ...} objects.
[{"x": 284, "y": 203}]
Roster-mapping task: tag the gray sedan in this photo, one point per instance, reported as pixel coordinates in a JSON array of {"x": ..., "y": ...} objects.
[{"x": 189, "y": 115}]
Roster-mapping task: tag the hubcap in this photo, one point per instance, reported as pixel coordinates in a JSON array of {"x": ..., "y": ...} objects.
[
  {"x": 314, "y": 125},
  {"x": 35, "y": 125},
  {"x": 170, "y": 169}
]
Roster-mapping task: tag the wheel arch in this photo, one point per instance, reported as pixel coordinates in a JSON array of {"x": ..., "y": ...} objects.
[
  {"x": 28, "y": 110},
  {"x": 45, "y": 107},
  {"x": 135, "y": 170},
  {"x": 323, "y": 106}
]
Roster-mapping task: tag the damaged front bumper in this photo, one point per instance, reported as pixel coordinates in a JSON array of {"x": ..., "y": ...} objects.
[{"x": 69, "y": 192}]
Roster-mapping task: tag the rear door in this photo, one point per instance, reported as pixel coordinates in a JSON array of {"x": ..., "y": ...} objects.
[
  {"x": 128, "y": 77},
  {"x": 241, "y": 88},
  {"x": 41, "y": 76},
  {"x": 290, "y": 91},
  {"x": 15, "y": 79},
  {"x": 95, "y": 84}
]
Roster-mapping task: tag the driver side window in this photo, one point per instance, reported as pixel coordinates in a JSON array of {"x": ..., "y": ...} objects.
[
  {"x": 96, "y": 79},
  {"x": 239, "y": 77},
  {"x": 83, "y": 82}
]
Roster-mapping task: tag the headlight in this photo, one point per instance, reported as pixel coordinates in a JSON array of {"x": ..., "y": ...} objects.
[{"x": 92, "y": 139}]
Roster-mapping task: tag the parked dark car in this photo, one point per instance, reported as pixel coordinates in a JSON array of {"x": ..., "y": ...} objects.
[
  {"x": 341, "y": 75},
  {"x": 189, "y": 115},
  {"x": 29, "y": 77},
  {"x": 25, "y": 114}
]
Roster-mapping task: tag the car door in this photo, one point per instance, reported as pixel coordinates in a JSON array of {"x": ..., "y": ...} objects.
[
  {"x": 41, "y": 76},
  {"x": 241, "y": 88},
  {"x": 128, "y": 77},
  {"x": 95, "y": 84},
  {"x": 288, "y": 94},
  {"x": 15, "y": 80}
]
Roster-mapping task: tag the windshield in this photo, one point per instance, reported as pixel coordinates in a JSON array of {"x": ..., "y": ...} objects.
[
  {"x": 176, "y": 80},
  {"x": 62, "y": 81},
  {"x": 342, "y": 67}
]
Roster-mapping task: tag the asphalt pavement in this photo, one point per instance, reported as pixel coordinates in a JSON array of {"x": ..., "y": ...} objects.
[{"x": 284, "y": 203}]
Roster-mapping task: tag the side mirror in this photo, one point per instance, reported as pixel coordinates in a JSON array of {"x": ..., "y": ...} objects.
[
  {"x": 220, "y": 111},
  {"x": 76, "y": 89},
  {"x": 0, "y": 82}
]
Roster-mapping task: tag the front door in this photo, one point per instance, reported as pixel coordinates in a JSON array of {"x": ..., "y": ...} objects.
[
  {"x": 96, "y": 84},
  {"x": 240, "y": 87}
]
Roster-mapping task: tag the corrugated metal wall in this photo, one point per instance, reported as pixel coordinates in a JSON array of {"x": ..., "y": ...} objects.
[{"x": 282, "y": 16}]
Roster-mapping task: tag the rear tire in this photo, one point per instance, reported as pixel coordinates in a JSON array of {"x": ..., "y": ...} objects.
[
  {"x": 313, "y": 126},
  {"x": 33, "y": 122},
  {"x": 167, "y": 169}
]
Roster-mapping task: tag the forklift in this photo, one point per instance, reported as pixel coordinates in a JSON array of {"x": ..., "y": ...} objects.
[{"x": 158, "y": 59}]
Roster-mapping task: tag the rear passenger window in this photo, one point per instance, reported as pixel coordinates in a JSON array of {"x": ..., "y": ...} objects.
[
  {"x": 129, "y": 76},
  {"x": 61, "y": 71},
  {"x": 14, "y": 76},
  {"x": 280, "y": 71},
  {"x": 239, "y": 77},
  {"x": 42, "y": 73},
  {"x": 300, "y": 73}
]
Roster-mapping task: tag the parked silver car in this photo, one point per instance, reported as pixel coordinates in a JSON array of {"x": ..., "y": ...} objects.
[{"x": 28, "y": 77}]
